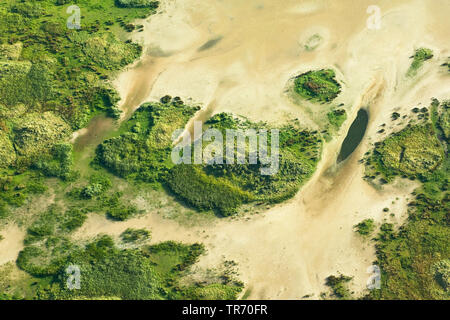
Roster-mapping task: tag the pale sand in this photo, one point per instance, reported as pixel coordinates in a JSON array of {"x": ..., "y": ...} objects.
[
  {"x": 12, "y": 243},
  {"x": 288, "y": 251}
]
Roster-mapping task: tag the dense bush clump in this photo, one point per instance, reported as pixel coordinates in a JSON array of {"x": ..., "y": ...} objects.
[
  {"x": 413, "y": 152},
  {"x": 338, "y": 285},
  {"x": 365, "y": 227},
  {"x": 337, "y": 117},
  {"x": 205, "y": 192},
  {"x": 135, "y": 235},
  {"x": 225, "y": 187},
  {"x": 421, "y": 55},
  {"x": 16, "y": 187},
  {"x": 58, "y": 163},
  {"x": 318, "y": 86},
  {"x": 142, "y": 152}
]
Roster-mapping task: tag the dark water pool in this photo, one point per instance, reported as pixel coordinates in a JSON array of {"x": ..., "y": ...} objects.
[{"x": 354, "y": 135}]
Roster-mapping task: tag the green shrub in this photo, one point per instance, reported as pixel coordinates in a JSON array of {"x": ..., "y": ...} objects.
[
  {"x": 59, "y": 163},
  {"x": 365, "y": 227},
  {"x": 142, "y": 152},
  {"x": 121, "y": 212},
  {"x": 442, "y": 273},
  {"x": 224, "y": 187},
  {"x": 339, "y": 286},
  {"x": 205, "y": 192},
  {"x": 59, "y": 69},
  {"x": 414, "y": 152},
  {"x": 421, "y": 55},
  {"x": 319, "y": 86},
  {"x": 135, "y": 235},
  {"x": 337, "y": 117},
  {"x": 7, "y": 151},
  {"x": 110, "y": 53},
  {"x": 35, "y": 133}
]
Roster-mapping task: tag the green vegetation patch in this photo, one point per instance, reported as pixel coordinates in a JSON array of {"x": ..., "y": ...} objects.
[
  {"x": 146, "y": 273},
  {"x": 7, "y": 151},
  {"x": 441, "y": 116},
  {"x": 58, "y": 163},
  {"x": 414, "y": 258},
  {"x": 225, "y": 187},
  {"x": 47, "y": 66},
  {"x": 96, "y": 196},
  {"x": 339, "y": 286},
  {"x": 47, "y": 242},
  {"x": 318, "y": 86},
  {"x": 135, "y": 235},
  {"x": 206, "y": 192},
  {"x": 35, "y": 133},
  {"x": 16, "y": 187},
  {"x": 337, "y": 117},
  {"x": 106, "y": 51},
  {"x": 421, "y": 55},
  {"x": 365, "y": 227},
  {"x": 413, "y": 152},
  {"x": 10, "y": 52},
  {"x": 142, "y": 151}
]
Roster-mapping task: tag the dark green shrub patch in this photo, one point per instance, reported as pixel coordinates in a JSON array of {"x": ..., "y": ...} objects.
[
  {"x": 420, "y": 56},
  {"x": 135, "y": 235},
  {"x": 142, "y": 151},
  {"x": 121, "y": 212},
  {"x": 224, "y": 187},
  {"x": 337, "y": 117},
  {"x": 338, "y": 285},
  {"x": 205, "y": 192},
  {"x": 413, "y": 152},
  {"x": 16, "y": 187},
  {"x": 59, "y": 163},
  {"x": 319, "y": 86},
  {"x": 365, "y": 227},
  {"x": 108, "y": 272}
]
